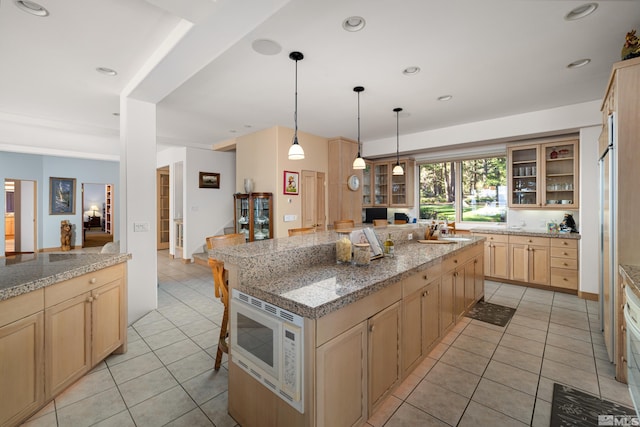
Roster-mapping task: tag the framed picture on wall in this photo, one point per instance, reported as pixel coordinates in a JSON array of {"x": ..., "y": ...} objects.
[
  {"x": 209, "y": 180},
  {"x": 290, "y": 185},
  {"x": 62, "y": 196}
]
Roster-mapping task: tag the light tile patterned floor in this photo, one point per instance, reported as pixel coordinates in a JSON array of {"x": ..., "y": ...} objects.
[{"x": 479, "y": 375}]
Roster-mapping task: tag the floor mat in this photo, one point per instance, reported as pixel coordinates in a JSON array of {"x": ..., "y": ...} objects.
[
  {"x": 491, "y": 313},
  {"x": 571, "y": 407}
]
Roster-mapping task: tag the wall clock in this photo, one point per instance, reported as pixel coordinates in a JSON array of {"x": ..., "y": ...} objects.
[{"x": 353, "y": 182}]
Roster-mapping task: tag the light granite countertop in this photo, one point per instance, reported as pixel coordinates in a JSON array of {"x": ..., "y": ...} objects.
[
  {"x": 533, "y": 232},
  {"x": 25, "y": 273},
  {"x": 632, "y": 273},
  {"x": 300, "y": 274}
]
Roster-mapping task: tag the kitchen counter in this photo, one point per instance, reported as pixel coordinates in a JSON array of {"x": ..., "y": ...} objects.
[
  {"x": 21, "y": 274},
  {"x": 300, "y": 274},
  {"x": 524, "y": 232},
  {"x": 632, "y": 276}
]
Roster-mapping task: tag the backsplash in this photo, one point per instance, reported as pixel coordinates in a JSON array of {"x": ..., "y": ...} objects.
[{"x": 537, "y": 218}]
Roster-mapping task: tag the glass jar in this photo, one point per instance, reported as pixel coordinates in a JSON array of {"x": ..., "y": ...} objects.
[
  {"x": 343, "y": 248},
  {"x": 361, "y": 254}
]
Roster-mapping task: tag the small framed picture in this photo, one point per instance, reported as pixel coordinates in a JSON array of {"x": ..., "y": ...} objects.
[
  {"x": 290, "y": 182},
  {"x": 209, "y": 180},
  {"x": 62, "y": 196}
]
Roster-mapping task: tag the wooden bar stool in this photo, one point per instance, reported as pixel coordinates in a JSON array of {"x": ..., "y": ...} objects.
[
  {"x": 221, "y": 287},
  {"x": 343, "y": 223},
  {"x": 299, "y": 231}
]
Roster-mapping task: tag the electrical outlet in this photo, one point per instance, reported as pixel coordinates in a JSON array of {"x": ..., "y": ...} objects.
[
  {"x": 140, "y": 227},
  {"x": 410, "y": 236}
]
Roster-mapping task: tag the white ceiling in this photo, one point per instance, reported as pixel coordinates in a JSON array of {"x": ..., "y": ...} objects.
[{"x": 496, "y": 58}]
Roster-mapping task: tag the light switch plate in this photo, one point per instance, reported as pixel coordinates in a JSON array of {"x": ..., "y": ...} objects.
[
  {"x": 140, "y": 227},
  {"x": 289, "y": 218}
]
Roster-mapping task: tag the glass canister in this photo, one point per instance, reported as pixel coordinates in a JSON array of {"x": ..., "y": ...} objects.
[
  {"x": 343, "y": 248},
  {"x": 361, "y": 254}
]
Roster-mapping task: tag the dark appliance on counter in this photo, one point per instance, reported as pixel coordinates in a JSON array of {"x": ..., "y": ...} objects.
[
  {"x": 374, "y": 213},
  {"x": 568, "y": 224},
  {"x": 400, "y": 216}
]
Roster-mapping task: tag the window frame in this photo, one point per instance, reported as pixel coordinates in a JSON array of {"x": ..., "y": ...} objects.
[{"x": 457, "y": 202}]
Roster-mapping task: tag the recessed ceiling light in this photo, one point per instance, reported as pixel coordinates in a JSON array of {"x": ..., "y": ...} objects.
[
  {"x": 581, "y": 11},
  {"x": 247, "y": 126},
  {"x": 354, "y": 23},
  {"x": 116, "y": 114},
  {"x": 232, "y": 131},
  {"x": 31, "y": 7},
  {"x": 445, "y": 97},
  {"x": 410, "y": 71},
  {"x": 107, "y": 71},
  {"x": 579, "y": 63},
  {"x": 266, "y": 47}
]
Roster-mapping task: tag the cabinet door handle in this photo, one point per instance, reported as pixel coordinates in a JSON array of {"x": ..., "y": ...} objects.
[
  {"x": 96, "y": 296},
  {"x": 455, "y": 261},
  {"x": 564, "y": 263},
  {"x": 425, "y": 277},
  {"x": 623, "y": 329},
  {"x": 565, "y": 279},
  {"x": 530, "y": 240},
  {"x": 565, "y": 243},
  {"x": 93, "y": 280},
  {"x": 372, "y": 328},
  {"x": 89, "y": 299},
  {"x": 564, "y": 253}
]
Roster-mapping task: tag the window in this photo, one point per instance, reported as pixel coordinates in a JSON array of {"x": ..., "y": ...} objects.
[{"x": 473, "y": 190}]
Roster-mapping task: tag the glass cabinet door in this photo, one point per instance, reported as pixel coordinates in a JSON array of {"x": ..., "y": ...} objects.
[
  {"x": 242, "y": 215},
  {"x": 560, "y": 164},
  {"x": 381, "y": 184},
  {"x": 523, "y": 173},
  {"x": 261, "y": 215},
  {"x": 366, "y": 186},
  {"x": 399, "y": 186}
]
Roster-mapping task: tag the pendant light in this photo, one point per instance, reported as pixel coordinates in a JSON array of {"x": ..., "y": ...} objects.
[
  {"x": 397, "y": 169},
  {"x": 295, "y": 151},
  {"x": 358, "y": 163}
]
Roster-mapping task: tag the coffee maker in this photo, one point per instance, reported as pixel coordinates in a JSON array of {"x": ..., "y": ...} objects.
[{"x": 568, "y": 224}]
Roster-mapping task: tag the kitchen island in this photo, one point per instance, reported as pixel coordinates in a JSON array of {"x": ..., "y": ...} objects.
[
  {"x": 365, "y": 328},
  {"x": 60, "y": 315}
]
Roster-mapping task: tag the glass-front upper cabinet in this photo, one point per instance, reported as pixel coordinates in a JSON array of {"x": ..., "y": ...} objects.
[
  {"x": 253, "y": 215},
  {"x": 560, "y": 174},
  {"x": 402, "y": 185},
  {"x": 381, "y": 185},
  {"x": 523, "y": 176},
  {"x": 544, "y": 175},
  {"x": 367, "y": 200}
]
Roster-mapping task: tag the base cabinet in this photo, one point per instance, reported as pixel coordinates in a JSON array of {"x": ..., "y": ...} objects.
[
  {"x": 384, "y": 353},
  {"x": 52, "y": 336},
  {"x": 21, "y": 368},
  {"x": 420, "y": 324},
  {"x": 342, "y": 379},
  {"x": 529, "y": 259}
]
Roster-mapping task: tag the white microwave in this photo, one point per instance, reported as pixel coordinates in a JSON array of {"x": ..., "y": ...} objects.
[{"x": 267, "y": 342}]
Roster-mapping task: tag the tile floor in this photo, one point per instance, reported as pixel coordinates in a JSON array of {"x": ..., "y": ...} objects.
[{"x": 479, "y": 375}]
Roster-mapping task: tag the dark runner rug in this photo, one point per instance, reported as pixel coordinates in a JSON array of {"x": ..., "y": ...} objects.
[
  {"x": 491, "y": 313},
  {"x": 571, "y": 407}
]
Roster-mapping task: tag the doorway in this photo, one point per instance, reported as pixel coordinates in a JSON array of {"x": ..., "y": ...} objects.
[
  {"x": 163, "y": 215},
  {"x": 97, "y": 214},
  {"x": 20, "y": 213},
  {"x": 312, "y": 190}
]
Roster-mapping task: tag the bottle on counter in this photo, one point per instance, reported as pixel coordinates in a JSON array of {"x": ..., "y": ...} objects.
[{"x": 388, "y": 246}]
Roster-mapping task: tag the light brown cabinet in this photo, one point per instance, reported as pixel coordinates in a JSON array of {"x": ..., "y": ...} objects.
[
  {"x": 83, "y": 329},
  {"x": 564, "y": 264},
  {"x": 420, "y": 316},
  {"x": 253, "y": 215},
  {"x": 383, "y": 353},
  {"x": 496, "y": 255},
  {"x": 21, "y": 357},
  {"x": 344, "y": 203},
  {"x": 163, "y": 214},
  {"x": 342, "y": 379},
  {"x": 383, "y": 189},
  {"x": 544, "y": 175},
  {"x": 529, "y": 259}
]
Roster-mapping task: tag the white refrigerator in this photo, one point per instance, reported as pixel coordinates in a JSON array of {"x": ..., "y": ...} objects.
[{"x": 608, "y": 256}]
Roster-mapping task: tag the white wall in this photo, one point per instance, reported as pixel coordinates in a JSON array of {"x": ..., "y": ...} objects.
[{"x": 207, "y": 211}]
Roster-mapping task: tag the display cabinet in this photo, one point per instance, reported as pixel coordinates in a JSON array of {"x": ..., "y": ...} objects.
[
  {"x": 380, "y": 188},
  {"x": 253, "y": 215},
  {"x": 544, "y": 175}
]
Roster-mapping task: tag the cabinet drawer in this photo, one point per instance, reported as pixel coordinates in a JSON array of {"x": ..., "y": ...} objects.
[
  {"x": 497, "y": 238},
  {"x": 419, "y": 280},
  {"x": 564, "y": 243},
  {"x": 568, "y": 263},
  {"x": 457, "y": 260},
  {"x": 16, "y": 308},
  {"x": 527, "y": 240},
  {"x": 564, "y": 253},
  {"x": 563, "y": 278},
  {"x": 63, "y": 291}
]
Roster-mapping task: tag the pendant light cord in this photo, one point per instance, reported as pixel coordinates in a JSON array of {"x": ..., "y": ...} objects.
[
  {"x": 295, "y": 111},
  {"x": 358, "y": 123},
  {"x": 398, "y": 135}
]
